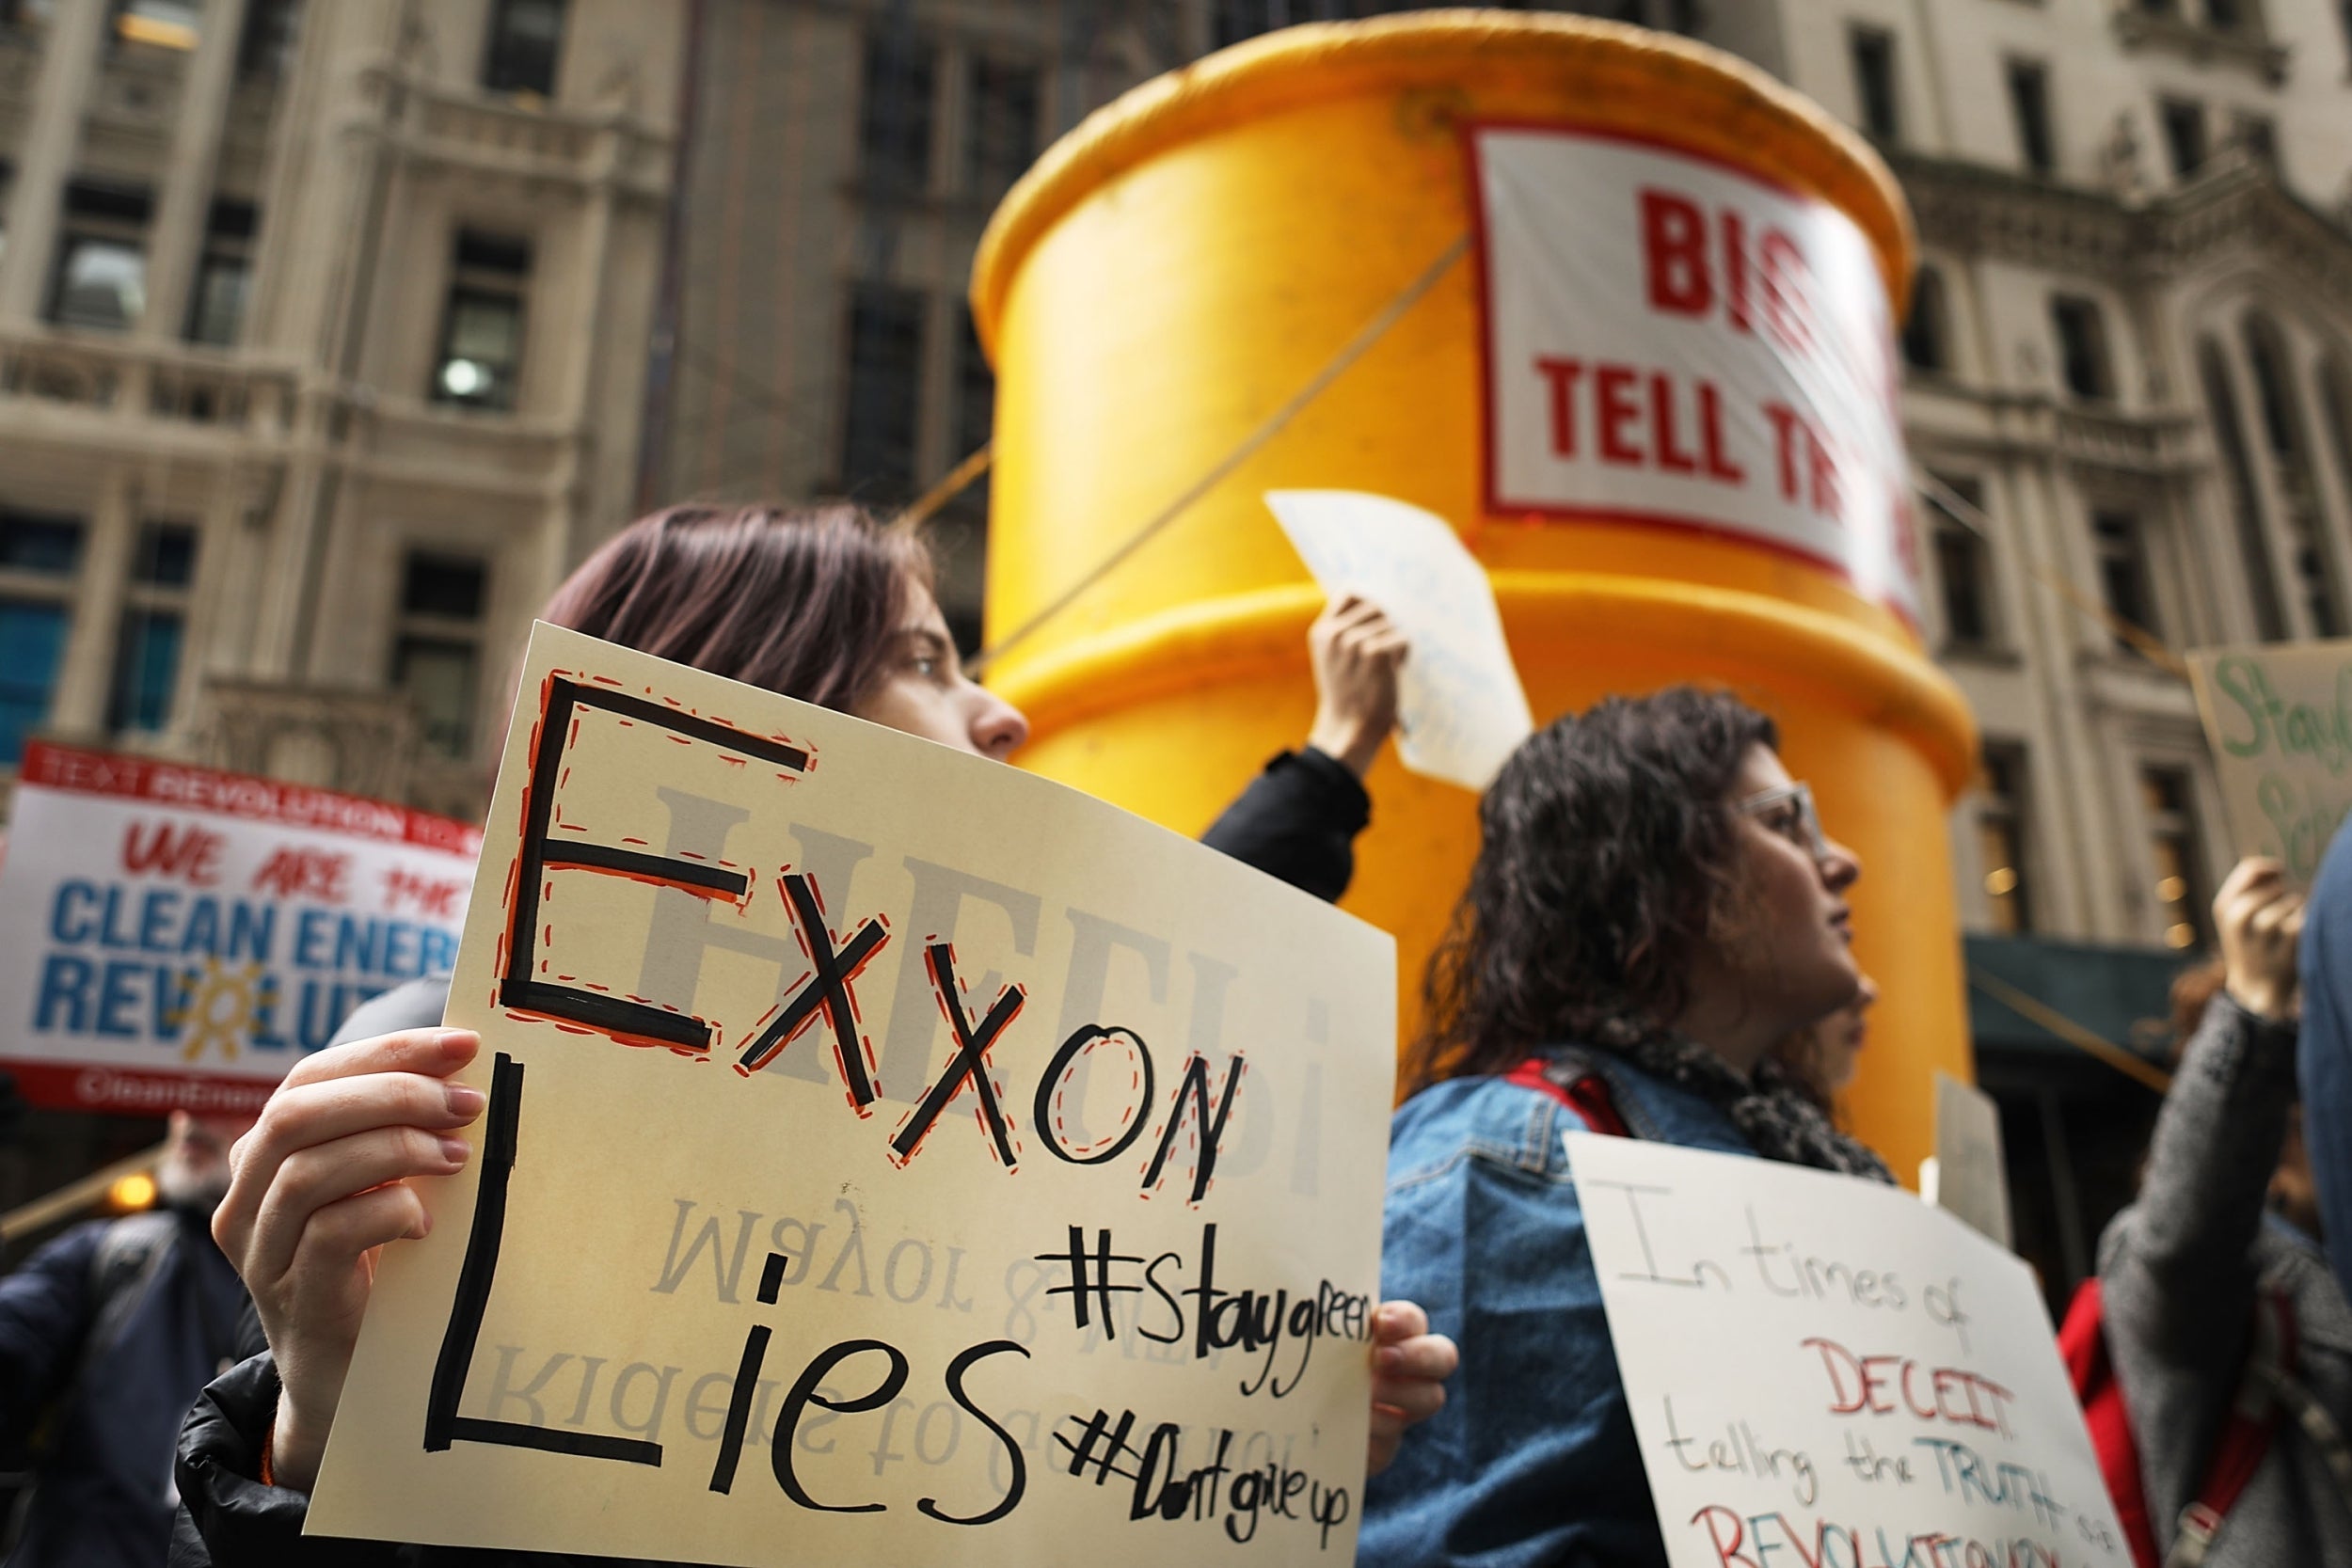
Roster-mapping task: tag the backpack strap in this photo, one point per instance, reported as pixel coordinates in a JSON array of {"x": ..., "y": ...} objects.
[
  {"x": 2083, "y": 1345},
  {"x": 1584, "y": 1091},
  {"x": 2246, "y": 1432},
  {"x": 121, "y": 1272}
]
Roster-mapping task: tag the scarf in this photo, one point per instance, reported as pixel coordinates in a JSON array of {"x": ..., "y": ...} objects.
[{"x": 1769, "y": 1109}]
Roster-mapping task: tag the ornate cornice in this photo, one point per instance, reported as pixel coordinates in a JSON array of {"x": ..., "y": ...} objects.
[
  {"x": 2247, "y": 47},
  {"x": 2235, "y": 206}
]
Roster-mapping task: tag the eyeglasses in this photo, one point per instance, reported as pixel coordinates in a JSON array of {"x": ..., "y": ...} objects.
[{"x": 1787, "y": 810}]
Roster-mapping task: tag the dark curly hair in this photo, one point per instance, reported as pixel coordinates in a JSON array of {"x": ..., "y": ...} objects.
[{"x": 1607, "y": 844}]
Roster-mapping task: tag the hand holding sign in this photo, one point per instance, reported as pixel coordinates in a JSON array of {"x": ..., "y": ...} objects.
[
  {"x": 1358, "y": 656},
  {"x": 1462, "y": 709},
  {"x": 319, "y": 1188}
]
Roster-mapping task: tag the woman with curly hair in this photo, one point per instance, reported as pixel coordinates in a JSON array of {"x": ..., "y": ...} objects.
[{"x": 1653, "y": 909}]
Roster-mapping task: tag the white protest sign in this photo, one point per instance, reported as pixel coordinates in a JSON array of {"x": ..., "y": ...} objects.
[
  {"x": 1461, "y": 709},
  {"x": 1971, "y": 1177},
  {"x": 2279, "y": 721},
  {"x": 173, "y": 938},
  {"x": 1826, "y": 1370},
  {"x": 890, "y": 1156},
  {"x": 1671, "y": 340}
]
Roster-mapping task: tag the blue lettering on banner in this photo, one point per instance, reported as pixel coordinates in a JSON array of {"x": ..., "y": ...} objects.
[{"x": 224, "y": 981}]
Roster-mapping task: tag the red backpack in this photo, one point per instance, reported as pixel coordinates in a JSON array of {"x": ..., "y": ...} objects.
[{"x": 2245, "y": 1437}]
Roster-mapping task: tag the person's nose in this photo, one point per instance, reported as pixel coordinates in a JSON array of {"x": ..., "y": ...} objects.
[
  {"x": 998, "y": 728},
  {"x": 1841, "y": 866}
]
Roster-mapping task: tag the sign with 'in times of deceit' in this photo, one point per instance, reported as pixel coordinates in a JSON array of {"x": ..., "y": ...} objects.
[{"x": 887, "y": 1152}]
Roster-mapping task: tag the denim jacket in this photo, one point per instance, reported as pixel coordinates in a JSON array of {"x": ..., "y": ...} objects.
[{"x": 1532, "y": 1461}]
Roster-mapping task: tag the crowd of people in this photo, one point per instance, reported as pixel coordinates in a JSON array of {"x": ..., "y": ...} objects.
[{"x": 1654, "y": 942}]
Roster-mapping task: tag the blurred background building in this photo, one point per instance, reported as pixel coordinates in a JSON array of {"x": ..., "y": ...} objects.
[{"x": 332, "y": 335}]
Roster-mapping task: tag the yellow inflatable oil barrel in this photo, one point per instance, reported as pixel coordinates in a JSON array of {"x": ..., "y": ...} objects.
[{"x": 1664, "y": 259}]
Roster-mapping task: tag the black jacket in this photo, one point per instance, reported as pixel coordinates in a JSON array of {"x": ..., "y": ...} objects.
[
  {"x": 107, "y": 1385},
  {"x": 1298, "y": 820}
]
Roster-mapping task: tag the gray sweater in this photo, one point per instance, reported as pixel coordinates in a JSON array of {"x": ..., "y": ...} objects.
[{"x": 2179, "y": 1269}]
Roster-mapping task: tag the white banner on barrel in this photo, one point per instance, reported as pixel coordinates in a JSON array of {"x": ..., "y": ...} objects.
[
  {"x": 1827, "y": 1371},
  {"x": 176, "y": 938},
  {"x": 1671, "y": 340},
  {"x": 891, "y": 1156}
]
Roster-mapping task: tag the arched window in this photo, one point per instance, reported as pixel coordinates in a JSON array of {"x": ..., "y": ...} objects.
[
  {"x": 2282, "y": 423},
  {"x": 2335, "y": 413},
  {"x": 1927, "y": 332},
  {"x": 2245, "y": 511},
  {"x": 2285, "y": 433}
]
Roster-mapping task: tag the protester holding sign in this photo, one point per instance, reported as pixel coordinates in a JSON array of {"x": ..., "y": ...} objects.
[
  {"x": 1654, "y": 906},
  {"x": 824, "y": 606},
  {"x": 2231, "y": 1342},
  {"x": 105, "y": 1334},
  {"x": 2325, "y": 1060}
]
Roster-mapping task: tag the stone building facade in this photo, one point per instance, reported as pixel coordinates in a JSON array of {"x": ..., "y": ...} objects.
[{"x": 322, "y": 357}]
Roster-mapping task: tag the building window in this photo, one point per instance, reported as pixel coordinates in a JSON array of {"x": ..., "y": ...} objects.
[
  {"x": 149, "y": 642},
  {"x": 525, "y": 46},
  {"x": 2001, "y": 838},
  {"x": 2123, "y": 581},
  {"x": 224, "y": 276},
  {"x": 2258, "y": 135},
  {"x": 163, "y": 24},
  {"x": 1962, "y": 569},
  {"x": 1000, "y": 135},
  {"x": 437, "y": 656},
  {"x": 884, "y": 392},
  {"x": 1232, "y": 20},
  {"x": 895, "y": 114},
  {"x": 2082, "y": 340},
  {"x": 2335, "y": 413},
  {"x": 2274, "y": 394},
  {"x": 975, "y": 392},
  {"x": 1926, "y": 330},
  {"x": 271, "y": 27},
  {"x": 2281, "y": 410},
  {"x": 2184, "y": 135},
  {"x": 38, "y": 558},
  {"x": 2245, "y": 507},
  {"x": 2225, "y": 16},
  {"x": 2029, "y": 104},
  {"x": 101, "y": 280},
  {"x": 1872, "y": 50},
  {"x": 2172, "y": 848},
  {"x": 480, "y": 365}
]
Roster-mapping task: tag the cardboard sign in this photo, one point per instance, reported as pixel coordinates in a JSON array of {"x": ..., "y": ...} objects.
[
  {"x": 175, "y": 938},
  {"x": 1671, "y": 340},
  {"x": 1461, "y": 709},
  {"x": 2279, "y": 721},
  {"x": 1971, "y": 1177},
  {"x": 890, "y": 1156},
  {"x": 1823, "y": 1370}
]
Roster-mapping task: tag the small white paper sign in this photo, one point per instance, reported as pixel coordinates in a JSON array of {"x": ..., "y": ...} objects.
[
  {"x": 1823, "y": 1370},
  {"x": 1461, "y": 709},
  {"x": 1971, "y": 1180}
]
